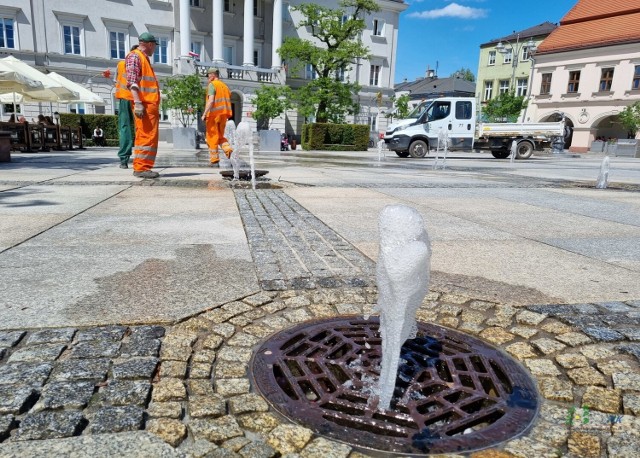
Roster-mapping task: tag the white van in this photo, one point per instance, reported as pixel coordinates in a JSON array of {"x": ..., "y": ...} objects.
[
  {"x": 455, "y": 115},
  {"x": 411, "y": 118}
]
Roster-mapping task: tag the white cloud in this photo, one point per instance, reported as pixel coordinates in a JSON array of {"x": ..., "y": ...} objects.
[{"x": 451, "y": 10}]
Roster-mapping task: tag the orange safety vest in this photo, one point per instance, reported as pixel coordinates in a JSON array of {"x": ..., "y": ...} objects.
[
  {"x": 222, "y": 101},
  {"x": 122, "y": 92},
  {"x": 149, "y": 89}
]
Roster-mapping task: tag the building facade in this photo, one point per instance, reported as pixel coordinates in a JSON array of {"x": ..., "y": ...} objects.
[
  {"x": 80, "y": 40},
  {"x": 588, "y": 69},
  {"x": 505, "y": 63}
]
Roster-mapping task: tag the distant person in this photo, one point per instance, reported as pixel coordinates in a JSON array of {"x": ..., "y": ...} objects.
[
  {"x": 22, "y": 119},
  {"x": 217, "y": 111},
  {"x": 145, "y": 91},
  {"x": 98, "y": 137},
  {"x": 49, "y": 121},
  {"x": 12, "y": 118},
  {"x": 126, "y": 126},
  {"x": 41, "y": 120}
]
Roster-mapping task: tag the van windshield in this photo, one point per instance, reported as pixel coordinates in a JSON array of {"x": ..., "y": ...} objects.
[{"x": 417, "y": 111}]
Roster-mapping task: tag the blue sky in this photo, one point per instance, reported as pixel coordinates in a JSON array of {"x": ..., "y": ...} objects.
[{"x": 448, "y": 33}]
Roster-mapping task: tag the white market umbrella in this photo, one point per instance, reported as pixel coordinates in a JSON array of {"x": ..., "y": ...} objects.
[
  {"x": 12, "y": 81},
  {"x": 51, "y": 90},
  {"x": 84, "y": 95}
]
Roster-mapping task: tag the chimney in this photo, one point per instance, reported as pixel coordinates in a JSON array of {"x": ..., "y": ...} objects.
[{"x": 430, "y": 73}]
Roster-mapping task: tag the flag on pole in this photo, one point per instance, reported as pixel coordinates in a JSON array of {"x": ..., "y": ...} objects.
[{"x": 194, "y": 55}]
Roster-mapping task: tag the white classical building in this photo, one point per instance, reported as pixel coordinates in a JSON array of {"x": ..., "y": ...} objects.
[{"x": 81, "y": 39}]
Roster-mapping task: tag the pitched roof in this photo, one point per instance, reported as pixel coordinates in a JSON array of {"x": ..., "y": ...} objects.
[
  {"x": 427, "y": 86},
  {"x": 537, "y": 30},
  {"x": 595, "y": 23}
]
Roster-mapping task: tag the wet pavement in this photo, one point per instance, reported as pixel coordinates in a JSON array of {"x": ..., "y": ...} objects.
[{"x": 132, "y": 307}]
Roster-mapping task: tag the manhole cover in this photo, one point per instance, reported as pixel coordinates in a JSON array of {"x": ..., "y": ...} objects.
[
  {"x": 243, "y": 174},
  {"x": 454, "y": 393}
]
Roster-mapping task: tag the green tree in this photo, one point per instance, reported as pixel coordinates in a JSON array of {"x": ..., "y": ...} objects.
[
  {"x": 401, "y": 105},
  {"x": 465, "y": 74},
  {"x": 504, "y": 108},
  {"x": 185, "y": 95},
  {"x": 271, "y": 102},
  {"x": 338, "y": 46},
  {"x": 630, "y": 118}
]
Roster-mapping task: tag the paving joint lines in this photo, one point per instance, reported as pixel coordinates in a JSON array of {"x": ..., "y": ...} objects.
[
  {"x": 190, "y": 383},
  {"x": 292, "y": 249}
]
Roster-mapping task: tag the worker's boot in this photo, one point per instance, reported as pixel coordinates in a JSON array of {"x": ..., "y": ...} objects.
[{"x": 226, "y": 147}]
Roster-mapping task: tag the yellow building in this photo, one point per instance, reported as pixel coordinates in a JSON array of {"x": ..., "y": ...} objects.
[{"x": 505, "y": 63}]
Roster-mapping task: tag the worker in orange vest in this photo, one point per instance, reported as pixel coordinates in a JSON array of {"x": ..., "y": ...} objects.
[
  {"x": 216, "y": 113},
  {"x": 125, "y": 115},
  {"x": 145, "y": 92}
]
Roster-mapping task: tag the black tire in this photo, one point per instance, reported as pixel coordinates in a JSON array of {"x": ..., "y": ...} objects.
[
  {"x": 525, "y": 150},
  {"x": 418, "y": 149},
  {"x": 402, "y": 153},
  {"x": 501, "y": 153}
]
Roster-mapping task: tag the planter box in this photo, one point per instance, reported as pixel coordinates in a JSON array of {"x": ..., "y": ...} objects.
[
  {"x": 627, "y": 148},
  {"x": 597, "y": 146},
  {"x": 269, "y": 140},
  {"x": 184, "y": 138}
]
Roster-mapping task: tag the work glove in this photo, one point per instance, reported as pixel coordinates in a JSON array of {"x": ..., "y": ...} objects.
[{"x": 138, "y": 109}]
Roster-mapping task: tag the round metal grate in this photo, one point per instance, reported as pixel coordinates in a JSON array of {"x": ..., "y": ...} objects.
[{"x": 454, "y": 393}]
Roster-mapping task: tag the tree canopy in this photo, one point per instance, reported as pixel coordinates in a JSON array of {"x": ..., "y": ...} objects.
[
  {"x": 401, "y": 105},
  {"x": 271, "y": 102},
  {"x": 337, "y": 47},
  {"x": 504, "y": 108},
  {"x": 185, "y": 95},
  {"x": 630, "y": 118},
  {"x": 465, "y": 74}
]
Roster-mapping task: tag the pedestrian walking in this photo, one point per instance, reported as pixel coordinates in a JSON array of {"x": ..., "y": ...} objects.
[
  {"x": 217, "y": 111},
  {"x": 126, "y": 132},
  {"x": 145, "y": 91}
]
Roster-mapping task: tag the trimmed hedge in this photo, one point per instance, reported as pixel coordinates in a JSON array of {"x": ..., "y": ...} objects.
[
  {"x": 88, "y": 122},
  {"x": 335, "y": 137}
]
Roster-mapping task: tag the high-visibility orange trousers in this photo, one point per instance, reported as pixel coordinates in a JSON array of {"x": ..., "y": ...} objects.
[
  {"x": 145, "y": 146},
  {"x": 215, "y": 136}
]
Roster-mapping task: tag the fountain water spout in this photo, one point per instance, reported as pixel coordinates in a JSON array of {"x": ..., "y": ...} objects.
[{"x": 402, "y": 273}]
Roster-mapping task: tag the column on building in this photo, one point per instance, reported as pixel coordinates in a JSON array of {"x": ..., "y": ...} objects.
[
  {"x": 276, "y": 62},
  {"x": 248, "y": 34},
  {"x": 218, "y": 31},
  {"x": 185, "y": 28}
]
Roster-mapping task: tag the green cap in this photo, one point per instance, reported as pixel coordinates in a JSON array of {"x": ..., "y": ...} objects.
[{"x": 147, "y": 37}]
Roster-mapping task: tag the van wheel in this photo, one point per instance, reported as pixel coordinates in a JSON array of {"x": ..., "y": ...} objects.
[
  {"x": 402, "y": 153},
  {"x": 501, "y": 153},
  {"x": 418, "y": 148},
  {"x": 524, "y": 151}
]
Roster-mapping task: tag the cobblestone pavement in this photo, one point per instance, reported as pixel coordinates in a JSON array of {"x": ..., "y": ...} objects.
[
  {"x": 292, "y": 249},
  {"x": 190, "y": 385}
]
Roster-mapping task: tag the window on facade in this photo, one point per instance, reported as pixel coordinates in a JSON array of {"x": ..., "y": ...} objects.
[
  {"x": 117, "y": 43},
  {"x": 7, "y": 39},
  {"x": 521, "y": 86},
  {"x": 574, "y": 82},
  {"x": 341, "y": 74},
  {"x": 492, "y": 58},
  {"x": 309, "y": 73},
  {"x": 374, "y": 75},
  {"x": 71, "y": 39},
  {"x": 488, "y": 90},
  {"x": 378, "y": 27},
  {"x": 373, "y": 123},
  {"x": 344, "y": 19},
  {"x": 77, "y": 108},
  {"x": 545, "y": 85},
  {"x": 526, "y": 54},
  {"x": 503, "y": 87},
  {"x": 635, "y": 84},
  {"x": 161, "y": 54},
  {"x": 606, "y": 78},
  {"x": 258, "y": 7},
  {"x": 196, "y": 48},
  {"x": 195, "y": 3},
  {"x": 227, "y": 6},
  {"x": 508, "y": 56},
  {"x": 228, "y": 54},
  {"x": 256, "y": 58}
]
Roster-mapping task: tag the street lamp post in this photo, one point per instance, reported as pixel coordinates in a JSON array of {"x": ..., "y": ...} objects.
[{"x": 515, "y": 53}]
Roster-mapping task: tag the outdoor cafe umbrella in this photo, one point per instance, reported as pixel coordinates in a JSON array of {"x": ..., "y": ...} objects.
[
  {"x": 50, "y": 90},
  {"x": 84, "y": 95},
  {"x": 11, "y": 82}
]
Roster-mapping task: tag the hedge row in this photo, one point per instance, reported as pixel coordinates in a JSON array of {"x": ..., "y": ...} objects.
[
  {"x": 335, "y": 137},
  {"x": 88, "y": 122}
]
